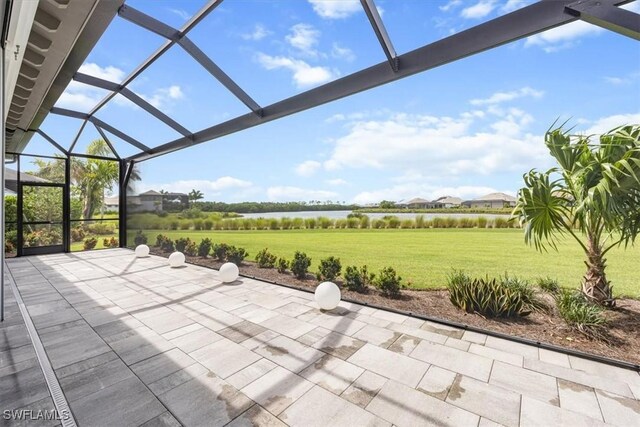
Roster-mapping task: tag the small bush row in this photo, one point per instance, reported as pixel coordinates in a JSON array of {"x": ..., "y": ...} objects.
[
  {"x": 154, "y": 222},
  {"x": 220, "y": 251}
]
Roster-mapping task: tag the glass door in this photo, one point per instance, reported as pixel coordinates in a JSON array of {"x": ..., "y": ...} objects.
[{"x": 41, "y": 208}]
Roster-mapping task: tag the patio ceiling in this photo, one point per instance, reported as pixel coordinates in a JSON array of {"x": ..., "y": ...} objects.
[{"x": 25, "y": 117}]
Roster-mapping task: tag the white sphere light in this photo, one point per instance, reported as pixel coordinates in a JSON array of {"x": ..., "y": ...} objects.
[
  {"x": 228, "y": 272},
  {"x": 142, "y": 251},
  {"x": 176, "y": 259},
  {"x": 327, "y": 295}
]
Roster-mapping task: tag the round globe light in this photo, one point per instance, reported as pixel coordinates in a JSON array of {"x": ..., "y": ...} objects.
[
  {"x": 228, "y": 272},
  {"x": 142, "y": 251},
  {"x": 176, "y": 259},
  {"x": 327, "y": 295}
]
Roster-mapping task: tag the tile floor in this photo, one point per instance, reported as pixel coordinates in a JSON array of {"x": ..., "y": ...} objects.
[{"x": 134, "y": 342}]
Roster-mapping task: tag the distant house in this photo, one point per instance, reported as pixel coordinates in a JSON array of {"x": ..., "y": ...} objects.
[
  {"x": 491, "y": 201},
  {"x": 447, "y": 202},
  {"x": 149, "y": 201},
  {"x": 415, "y": 203}
]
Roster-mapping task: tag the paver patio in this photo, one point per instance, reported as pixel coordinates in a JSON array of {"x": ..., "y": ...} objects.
[{"x": 134, "y": 342}]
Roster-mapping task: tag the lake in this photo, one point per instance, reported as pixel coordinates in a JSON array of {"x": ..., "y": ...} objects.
[{"x": 343, "y": 214}]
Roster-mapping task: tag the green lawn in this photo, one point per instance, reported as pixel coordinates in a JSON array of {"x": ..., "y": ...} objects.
[{"x": 425, "y": 256}]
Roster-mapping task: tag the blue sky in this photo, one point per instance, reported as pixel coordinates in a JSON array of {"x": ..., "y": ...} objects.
[{"x": 464, "y": 129}]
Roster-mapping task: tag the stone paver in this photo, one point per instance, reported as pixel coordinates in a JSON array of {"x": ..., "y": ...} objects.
[
  {"x": 277, "y": 389},
  {"x": 364, "y": 389},
  {"x": 134, "y": 342},
  {"x": 437, "y": 382},
  {"x": 405, "y": 406},
  {"x": 485, "y": 399},
  {"x": 525, "y": 382},
  {"x": 389, "y": 364},
  {"x": 535, "y": 413},
  {"x": 332, "y": 373},
  {"x": 319, "y": 408},
  {"x": 455, "y": 360}
]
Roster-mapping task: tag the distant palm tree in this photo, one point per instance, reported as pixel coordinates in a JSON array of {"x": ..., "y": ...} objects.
[
  {"x": 195, "y": 195},
  {"x": 593, "y": 195}
]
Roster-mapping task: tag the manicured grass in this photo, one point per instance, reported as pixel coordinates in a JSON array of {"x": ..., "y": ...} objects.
[{"x": 424, "y": 257}]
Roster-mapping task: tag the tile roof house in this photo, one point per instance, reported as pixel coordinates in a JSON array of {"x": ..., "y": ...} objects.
[{"x": 491, "y": 201}]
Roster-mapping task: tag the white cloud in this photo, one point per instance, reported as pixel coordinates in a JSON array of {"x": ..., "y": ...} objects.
[
  {"x": 208, "y": 187},
  {"x": 336, "y": 182},
  {"x": 286, "y": 193},
  {"x": 181, "y": 13},
  {"x": 259, "y": 32},
  {"x": 562, "y": 37},
  {"x": 304, "y": 75},
  {"x": 304, "y": 37},
  {"x": 163, "y": 96},
  {"x": 83, "y": 97},
  {"x": 478, "y": 10},
  {"x": 444, "y": 146},
  {"x": 512, "y": 5},
  {"x": 623, "y": 80},
  {"x": 345, "y": 53},
  {"x": 424, "y": 190},
  {"x": 605, "y": 124},
  {"x": 335, "y": 9},
  {"x": 500, "y": 97},
  {"x": 308, "y": 168},
  {"x": 452, "y": 4}
]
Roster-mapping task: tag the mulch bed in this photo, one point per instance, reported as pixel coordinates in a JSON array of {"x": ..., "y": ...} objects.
[{"x": 623, "y": 329}]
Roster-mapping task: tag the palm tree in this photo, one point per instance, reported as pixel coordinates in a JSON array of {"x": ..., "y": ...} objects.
[
  {"x": 195, "y": 195},
  {"x": 593, "y": 195}
]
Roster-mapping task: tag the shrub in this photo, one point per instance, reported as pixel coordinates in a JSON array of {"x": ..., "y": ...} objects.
[
  {"x": 236, "y": 255},
  {"x": 465, "y": 222},
  {"x": 174, "y": 224},
  {"x": 407, "y": 223},
  {"x": 297, "y": 223},
  {"x": 388, "y": 282},
  {"x": 353, "y": 222},
  {"x": 204, "y": 247},
  {"x": 207, "y": 224},
  {"x": 265, "y": 259},
  {"x": 219, "y": 251},
  {"x": 450, "y": 222},
  {"x": 159, "y": 239},
  {"x": 506, "y": 297},
  {"x": 140, "y": 238},
  {"x": 325, "y": 222},
  {"x": 500, "y": 222},
  {"x": 110, "y": 243},
  {"x": 191, "y": 249},
  {"x": 482, "y": 222},
  {"x": 77, "y": 234},
  {"x": 102, "y": 228},
  {"x": 357, "y": 279},
  {"x": 438, "y": 222},
  {"x": 329, "y": 268},
  {"x": 548, "y": 284},
  {"x": 378, "y": 223},
  {"x": 528, "y": 293},
  {"x": 191, "y": 213},
  {"x": 310, "y": 223},
  {"x": 198, "y": 224},
  {"x": 580, "y": 314},
  {"x": 185, "y": 225},
  {"x": 286, "y": 223},
  {"x": 274, "y": 224},
  {"x": 282, "y": 265},
  {"x": 300, "y": 265},
  {"x": 340, "y": 223},
  {"x": 90, "y": 243},
  {"x": 364, "y": 221},
  {"x": 420, "y": 221},
  {"x": 182, "y": 243},
  {"x": 168, "y": 245},
  {"x": 392, "y": 221}
]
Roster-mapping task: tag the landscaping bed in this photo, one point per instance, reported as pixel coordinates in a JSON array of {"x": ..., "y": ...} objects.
[{"x": 623, "y": 322}]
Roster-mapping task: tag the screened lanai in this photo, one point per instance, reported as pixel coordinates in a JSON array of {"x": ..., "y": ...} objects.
[{"x": 57, "y": 104}]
